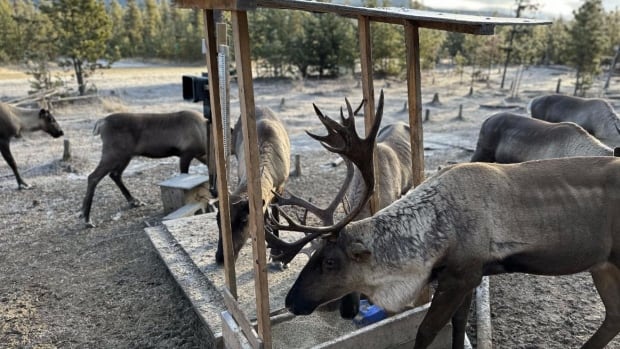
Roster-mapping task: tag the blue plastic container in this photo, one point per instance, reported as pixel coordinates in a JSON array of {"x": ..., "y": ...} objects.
[{"x": 368, "y": 314}]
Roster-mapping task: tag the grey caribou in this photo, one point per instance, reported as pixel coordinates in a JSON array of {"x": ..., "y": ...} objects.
[
  {"x": 508, "y": 138},
  {"x": 14, "y": 122},
  {"x": 545, "y": 217},
  {"x": 153, "y": 135},
  {"x": 274, "y": 161},
  {"x": 595, "y": 115}
]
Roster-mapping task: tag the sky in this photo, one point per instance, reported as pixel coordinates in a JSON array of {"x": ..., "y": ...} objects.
[{"x": 548, "y": 8}]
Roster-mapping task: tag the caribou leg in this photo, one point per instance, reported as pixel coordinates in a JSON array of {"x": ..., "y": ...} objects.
[
  {"x": 459, "y": 321},
  {"x": 452, "y": 291},
  {"x": 116, "y": 176},
  {"x": 274, "y": 251},
  {"x": 5, "y": 149},
  {"x": 184, "y": 163},
  {"x": 607, "y": 281}
]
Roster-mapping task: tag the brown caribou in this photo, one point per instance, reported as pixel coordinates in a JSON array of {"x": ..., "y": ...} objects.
[
  {"x": 153, "y": 135},
  {"x": 545, "y": 217},
  {"x": 595, "y": 115},
  {"x": 274, "y": 161},
  {"x": 14, "y": 122}
]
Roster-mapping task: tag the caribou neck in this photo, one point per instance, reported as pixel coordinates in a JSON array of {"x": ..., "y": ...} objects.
[
  {"x": 28, "y": 119},
  {"x": 407, "y": 241}
]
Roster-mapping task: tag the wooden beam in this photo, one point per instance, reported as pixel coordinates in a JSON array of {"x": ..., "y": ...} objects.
[
  {"x": 216, "y": 4},
  {"x": 220, "y": 158},
  {"x": 242, "y": 320},
  {"x": 414, "y": 93},
  {"x": 412, "y": 43},
  {"x": 365, "y": 40},
  {"x": 250, "y": 143},
  {"x": 483, "y": 25}
]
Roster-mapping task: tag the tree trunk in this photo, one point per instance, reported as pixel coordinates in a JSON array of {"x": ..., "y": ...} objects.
[{"x": 79, "y": 76}]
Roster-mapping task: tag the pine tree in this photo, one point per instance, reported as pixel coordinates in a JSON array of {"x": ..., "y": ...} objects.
[
  {"x": 82, "y": 30},
  {"x": 133, "y": 44},
  {"x": 152, "y": 28},
  {"x": 8, "y": 27},
  {"x": 587, "y": 43},
  {"x": 115, "y": 13}
]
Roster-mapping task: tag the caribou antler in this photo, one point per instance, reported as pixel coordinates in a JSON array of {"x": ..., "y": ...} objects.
[
  {"x": 341, "y": 138},
  {"x": 326, "y": 215}
]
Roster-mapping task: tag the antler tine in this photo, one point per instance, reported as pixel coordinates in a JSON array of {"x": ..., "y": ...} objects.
[
  {"x": 333, "y": 139},
  {"x": 288, "y": 250}
]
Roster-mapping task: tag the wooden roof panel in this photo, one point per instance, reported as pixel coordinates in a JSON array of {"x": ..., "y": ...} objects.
[{"x": 484, "y": 25}]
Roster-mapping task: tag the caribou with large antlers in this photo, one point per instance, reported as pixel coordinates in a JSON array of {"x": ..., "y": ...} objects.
[
  {"x": 546, "y": 217},
  {"x": 395, "y": 178}
]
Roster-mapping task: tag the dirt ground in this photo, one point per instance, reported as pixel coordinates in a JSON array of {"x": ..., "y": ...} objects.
[{"x": 65, "y": 286}]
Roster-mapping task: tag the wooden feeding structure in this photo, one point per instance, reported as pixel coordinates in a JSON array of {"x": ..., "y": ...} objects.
[{"x": 412, "y": 20}]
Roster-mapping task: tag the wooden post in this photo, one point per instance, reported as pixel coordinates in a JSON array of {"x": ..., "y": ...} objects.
[
  {"x": 414, "y": 88},
  {"x": 368, "y": 91},
  {"x": 66, "y": 155},
  {"x": 220, "y": 158},
  {"x": 484, "y": 339},
  {"x": 250, "y": 141},
  {"x": 297, "y": 171}
]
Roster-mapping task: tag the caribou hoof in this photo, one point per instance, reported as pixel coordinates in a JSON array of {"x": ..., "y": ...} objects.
[
  {"x": 277, "y": 265},
  {"x": 136, "y": 203},
  {"x": 24, "y": 186},
  {"x": 89, "y": 225}
]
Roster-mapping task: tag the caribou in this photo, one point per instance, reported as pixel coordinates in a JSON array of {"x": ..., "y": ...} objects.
[
  {"x": 393, "y": 155},
  {"x": 14, "y": 122},
  {"x": 274, "y": 161},
  {"x": 545, "y": 217},
  {"x": 595, "y": 115},
  {"x": 153, "y": 135},
  {"x": 508, "y": 138}
]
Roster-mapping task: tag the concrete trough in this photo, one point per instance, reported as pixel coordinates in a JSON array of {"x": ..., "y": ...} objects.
[{"x": 187, "y": 246}]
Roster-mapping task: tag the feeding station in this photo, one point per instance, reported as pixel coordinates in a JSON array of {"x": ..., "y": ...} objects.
[{"x": 238, "y": 331}]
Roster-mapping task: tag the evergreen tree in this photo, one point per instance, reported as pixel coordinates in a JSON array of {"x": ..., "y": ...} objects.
[
  {"x": 431, "y": 42},
  {"x": 8, "y": 28},
  {"x": 329, "y": 44},
  {"x": 82, "y": 30},
  {"x": 115, "y": 13},
  {"x": 269, "y": 38},
  {"x": 557, "y": 42},
  {"x": 587, "y": 42},
  {"x": 133, "y": 44},
  {"x": 167, "y": 35},
  {"x": 453, "y": 44},
  {"x": 152, "y": 29}
]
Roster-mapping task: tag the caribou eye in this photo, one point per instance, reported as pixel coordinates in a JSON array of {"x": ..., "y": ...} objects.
[{"x": 329, "y": 263}]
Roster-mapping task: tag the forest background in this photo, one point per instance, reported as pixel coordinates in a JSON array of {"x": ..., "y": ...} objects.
[{"x": 81, "y": 36}]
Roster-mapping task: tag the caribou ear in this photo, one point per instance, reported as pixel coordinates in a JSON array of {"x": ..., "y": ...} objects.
[
  {"x": 215, "y": 203},
  {"x": 42, "y": 113},
  {"x": 358, "y": 251},
  {"x": 617, "y": 151}
]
